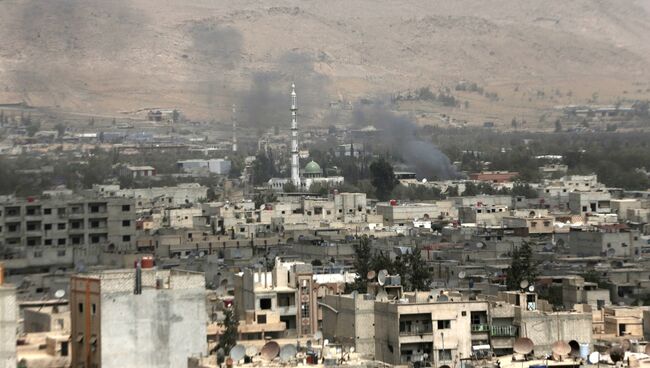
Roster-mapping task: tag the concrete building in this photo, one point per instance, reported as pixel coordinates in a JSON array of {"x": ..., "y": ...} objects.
[
  {"x": 217, "y": 166},
  {"x": 119, "y": 319},
  {"x": 590, "y": 202},
  {"x": 575, "y": 290},
  {"x": 37, "y": 234},
  {"x": 402, "y": 214},
  {"x": 494, "y": 176},
  {"x": 147, "y": 198},
  {"x": 8, "y": 323},
  {"x": 606, "y": 240},
  {"x": 483, "y": 215},
  {"x": 137, "y": 171},
  {"x": 279, "y": 303}
]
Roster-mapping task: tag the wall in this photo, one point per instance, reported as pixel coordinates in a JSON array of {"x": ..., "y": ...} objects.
[
  {"x": 158, "y": 328},
  {"x": 546, "y": 328},
  {"x": 8, "y": 324}
]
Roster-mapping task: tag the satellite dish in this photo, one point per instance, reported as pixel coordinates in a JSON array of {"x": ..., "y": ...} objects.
[
  {"x": 318, "y": 335},
  {"x": 523, "y": 345},
  {"x": 371, "y": 275},
  {"x": 251, "y": 351},
  {"x": 270, "y": 350},
  {"x": 288, "y": 352},
  {"x": 480, "y": 245},
  {"x": 424, "y": 181},
  {"x": 531, "y": 288},
  {"x": 462, "y": 274},
  {"x": 326, "y": 342},
  {"x": 616, "y": 354},
  {"x": 443, "y": 298},
  {"x": 523, "y": 284},
  {"x": 611, "y": 252},
  {"x": 381, "y": 277},
  {"x": 561, "y": 348},
  {"x": 59, "y": 294},
  {"x": 594, "y": 357},
  {"x": 238, "y": 352}
]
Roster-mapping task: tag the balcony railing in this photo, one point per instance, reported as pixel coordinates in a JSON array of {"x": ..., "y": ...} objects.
[
  {"x": 503, "y": 331},
  {"x": 416, "y": 330},
  {"x": 482, "y": 327}
]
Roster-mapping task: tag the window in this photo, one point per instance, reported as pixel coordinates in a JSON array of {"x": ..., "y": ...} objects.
[
  {"x": 126, "y": 223},
  {"x": 47, "y": 242},
  {"x": 81, "y": 307},
  {"x": 126, "y": 238},
  {"x": 60, "y": 226},
  {"x": 444, "y": 324},
  {"x": 261, "y": 318},
  {"x": 126, "y": 208},
  {"x": 60, "y": 211},
  {"x": 76, "y": 240},
  {"x": 61, "y": 253},
  {"x": 444, "y": 354},
  {"x": 47, "y": 211},
  {"x": 265, "y": 303},
  {"x": 93, "y": 309},
  {"x": 47, "y": 226},
  {"x": 38, "y": 254},
  {"x": 94, "y": 209},
  {"x": 61, "y": 241},
  {"x": 94, "y": 224},
  {"x": 94, "y": 239}
]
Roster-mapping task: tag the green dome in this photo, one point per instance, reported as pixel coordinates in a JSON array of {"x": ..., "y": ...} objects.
[{"x": 312, "y": 168}]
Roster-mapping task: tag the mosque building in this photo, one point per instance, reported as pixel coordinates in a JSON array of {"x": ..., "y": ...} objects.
[{"x": 312, "y": 173}]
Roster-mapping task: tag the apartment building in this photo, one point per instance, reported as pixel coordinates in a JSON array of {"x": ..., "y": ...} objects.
[
  {"x": 8, "y": 323},
  {"x": 38, "y": 234}
]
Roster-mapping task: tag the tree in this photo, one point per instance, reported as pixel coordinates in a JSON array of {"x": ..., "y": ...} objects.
[
  {"x": 418, "y": 275},
  {"x": 361, "y": 264},
  {"x": 382, "y": 178},
  {"x": 522, "y": 267},
  {"x": 263, "y": 169},
  {"x": 228, "y": 338}
]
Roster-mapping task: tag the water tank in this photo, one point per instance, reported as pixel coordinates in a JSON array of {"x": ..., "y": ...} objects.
[{"x": 584, "y": 351}]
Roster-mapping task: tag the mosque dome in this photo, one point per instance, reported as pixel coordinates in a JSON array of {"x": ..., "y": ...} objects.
[{"x": 312, "y": 168}]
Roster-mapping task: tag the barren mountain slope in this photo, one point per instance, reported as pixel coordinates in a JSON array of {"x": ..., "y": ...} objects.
[{"x": 201, "y": 56}]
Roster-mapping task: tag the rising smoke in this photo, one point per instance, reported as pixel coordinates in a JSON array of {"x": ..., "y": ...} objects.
[
  {"x": 399, "y": 136},
  {"x": 266, "y": 103}
]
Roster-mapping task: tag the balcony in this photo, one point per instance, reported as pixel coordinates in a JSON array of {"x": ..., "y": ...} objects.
[
  {"x": 503, "y": 331},
  {"x": 482, "y": 327},
  {"x": 416, "y": 330}
]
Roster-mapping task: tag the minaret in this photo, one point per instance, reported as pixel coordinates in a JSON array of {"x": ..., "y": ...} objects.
[
  {"x": 295, "y": 171},
  {"x": 234, "y": 128}
]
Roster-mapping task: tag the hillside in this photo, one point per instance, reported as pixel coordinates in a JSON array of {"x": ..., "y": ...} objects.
[{"x": 203, "y": 55}]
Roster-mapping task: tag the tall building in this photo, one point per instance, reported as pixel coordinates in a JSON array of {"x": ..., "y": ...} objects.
[
  {"x": 295, "y": 164},
  {"x": 37, "y": 234},
  {"x": 234, "y": 128},
  {"x": 137, "y": 318}
]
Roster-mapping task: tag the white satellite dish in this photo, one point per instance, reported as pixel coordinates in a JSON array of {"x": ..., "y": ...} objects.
[
  {"x": 480, "y": 245},
  {"x": 326, "y": 342},
  {"x": 59, "y": 294},
  {"x": 594, "y": 357},
  {"x": 381, "y": 277},
  {"x": 424, "y": 181},
  {"x": 462, "y": 275},
  {"x": 531, "y": 288},
  {"x": 288, "y": 352},
  {"x": 523, "y": 284},
  {"x": 238, "y": 352}
]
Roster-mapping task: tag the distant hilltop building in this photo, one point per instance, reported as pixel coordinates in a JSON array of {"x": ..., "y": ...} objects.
[{"x": 312, "y": 172}]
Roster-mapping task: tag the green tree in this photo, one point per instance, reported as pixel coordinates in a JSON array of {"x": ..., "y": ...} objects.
[
  {"x": 362, "y": 265},
  {"x": 522, "y": 267},
  {"x": 382, "y": 178},
  {"x": 228, "y": 338},
  {"x": 418, "y": 276},
  {"x": 263, "y": 169}
]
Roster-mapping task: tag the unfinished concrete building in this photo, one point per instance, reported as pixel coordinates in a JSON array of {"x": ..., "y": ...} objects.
[{"x": 131, "y": 318}]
